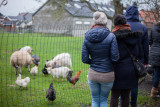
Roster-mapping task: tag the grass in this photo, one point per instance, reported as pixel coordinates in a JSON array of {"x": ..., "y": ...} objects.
[{"x": 46, "y": 46}]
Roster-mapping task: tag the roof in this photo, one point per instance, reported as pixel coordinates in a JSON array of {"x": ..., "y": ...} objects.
[
  {"x": 79, "y": 9},
  {"x": 21, "y": 17},
  {"x": 9, "y": 22},
  {"x": 1, "y": 15},
  {"x": 40, "y": 8},
  {"x": 148, "y": 16}
]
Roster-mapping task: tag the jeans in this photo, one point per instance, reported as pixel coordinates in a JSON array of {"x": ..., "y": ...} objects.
[
  {"x": 100, "y": 93},
  {"x": 116, "y": 93},
  {"x": 134, "y": 95},
  {"x": 156, "y": 76}
]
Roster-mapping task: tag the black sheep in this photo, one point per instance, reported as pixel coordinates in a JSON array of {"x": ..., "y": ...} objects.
[{"x": 51, "y": 93}]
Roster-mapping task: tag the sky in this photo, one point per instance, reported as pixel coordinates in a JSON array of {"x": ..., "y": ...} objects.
[{"x": 14, "y": 7}]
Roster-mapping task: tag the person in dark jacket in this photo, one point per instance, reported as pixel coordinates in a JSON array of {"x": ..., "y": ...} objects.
[
  {"x": 154, "y": 57},
  {"x": 100, "y": 50},
  {"x": 125, "y": 76},
  {"x": 132, "y": 16}
]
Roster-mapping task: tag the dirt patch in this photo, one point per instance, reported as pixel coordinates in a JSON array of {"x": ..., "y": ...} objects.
[{"x": 146, "y": 84}]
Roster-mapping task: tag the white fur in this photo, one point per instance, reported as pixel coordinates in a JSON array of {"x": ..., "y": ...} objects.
[
  {"x": 34, "y": 70},
  {"x": 22, "y": 82},
  {"x": 27, "y": 48},
  {"x": 63, "y": 59},
  {"x": 59, "y": 72}
]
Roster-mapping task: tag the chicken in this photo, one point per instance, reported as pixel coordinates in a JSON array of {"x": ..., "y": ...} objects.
[
  {"x": 34, "y": 70},
  {"x": 44, "y": 70},
  {"x": 51, "y": 93},
  {"x": 73, "y": 80},
  {"x": 22, "y": 82}
]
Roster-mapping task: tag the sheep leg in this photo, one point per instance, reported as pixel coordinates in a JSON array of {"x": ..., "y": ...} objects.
[
  {"x": 20, "y": 70},
  {"x": 26, "y": 88},
  {"x": 15, "y": 69},
  {"x": 28, "y": 68}
]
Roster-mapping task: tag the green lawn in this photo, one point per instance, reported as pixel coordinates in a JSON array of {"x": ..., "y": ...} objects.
[{"x": 46, "y": 46}]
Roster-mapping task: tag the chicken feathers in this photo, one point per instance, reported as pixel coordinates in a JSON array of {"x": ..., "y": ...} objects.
[
  {"x": 51, "y": 93},
  {"x": 73, "y": 80},
  {"x": 22, "y": 82}
]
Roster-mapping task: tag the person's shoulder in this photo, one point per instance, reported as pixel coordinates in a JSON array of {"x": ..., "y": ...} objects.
[{"x": 144, "y": 26}]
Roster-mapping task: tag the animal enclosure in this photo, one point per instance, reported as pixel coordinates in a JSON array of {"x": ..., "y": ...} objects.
[{"x": 46, "y": 45}]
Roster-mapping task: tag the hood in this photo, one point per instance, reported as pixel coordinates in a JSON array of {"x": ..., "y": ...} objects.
[
  {"x": 132, "y": 14},
  {"x": 97, "y": 34},
  {"x": 129, "y": 37}
]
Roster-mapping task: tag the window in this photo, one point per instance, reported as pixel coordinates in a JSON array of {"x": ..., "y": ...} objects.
[
  {"x": 77, "y": 6},
  {"x": 105, "y": 8},
  {"x": 111, "y": 9},
  {"x": 87, "y": 23},
  {"x": 78, "y": 22}
]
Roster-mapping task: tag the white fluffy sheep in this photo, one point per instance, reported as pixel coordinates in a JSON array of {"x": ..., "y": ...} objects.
[
  {"x": 22, "y": 58},
  {"x": 27, "y": 48},
  {"x": 63, "y": 59},
  {"x": 59, "y": 72},
  {"x": 22, "y": 82}
]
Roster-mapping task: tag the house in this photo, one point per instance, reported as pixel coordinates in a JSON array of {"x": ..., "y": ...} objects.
[
  {"x": 2, "y": 17},
  {"x": 148, "y": 18},
  {"x": 75, "y": 20},
  {"x": 19, "y": 23}
]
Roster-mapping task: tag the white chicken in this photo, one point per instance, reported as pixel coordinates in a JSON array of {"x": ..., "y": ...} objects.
[
  {"x": 34, "y": 70},
  {"x": 22, "y": 82}
]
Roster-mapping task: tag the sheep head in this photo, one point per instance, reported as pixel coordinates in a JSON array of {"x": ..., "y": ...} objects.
[{"x": 36, "y": 59}]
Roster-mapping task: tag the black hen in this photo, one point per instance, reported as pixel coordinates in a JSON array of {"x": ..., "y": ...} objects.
[
  {"x": 51, "y": 93},
  {"x": 44, "y": 70}
]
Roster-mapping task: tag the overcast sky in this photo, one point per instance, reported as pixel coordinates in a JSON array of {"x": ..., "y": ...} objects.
[{"x": 14, "y": 7}]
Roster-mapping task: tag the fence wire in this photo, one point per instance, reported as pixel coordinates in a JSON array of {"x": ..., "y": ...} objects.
[{"x": 46, "y": 42}]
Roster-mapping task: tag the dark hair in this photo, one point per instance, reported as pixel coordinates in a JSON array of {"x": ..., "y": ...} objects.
[{"x": 119, "y": 20}]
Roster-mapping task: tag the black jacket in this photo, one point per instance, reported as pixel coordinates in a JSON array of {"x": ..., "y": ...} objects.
[
  {"x": 125, "y": 77},
  {"x": 154, "y": 55}
]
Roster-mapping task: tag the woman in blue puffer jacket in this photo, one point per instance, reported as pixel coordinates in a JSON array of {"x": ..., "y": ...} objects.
[{"x": 100, "y": 51}]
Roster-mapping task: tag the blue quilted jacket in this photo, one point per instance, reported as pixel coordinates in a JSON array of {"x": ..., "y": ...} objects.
[{"x": 100, "y": 49}]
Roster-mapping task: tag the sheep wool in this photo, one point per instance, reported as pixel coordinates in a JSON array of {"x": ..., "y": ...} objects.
[
  {"x": 19, "y": 59},
  {"x": 27, "y": 48},
  {"x": 63, "y": 59},
  {"x": 59, "y": 72}
]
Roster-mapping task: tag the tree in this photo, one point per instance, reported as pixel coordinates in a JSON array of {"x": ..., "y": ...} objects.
[
  {"x": 4, "y": 2},
  {"x": 119, "y": 6}
]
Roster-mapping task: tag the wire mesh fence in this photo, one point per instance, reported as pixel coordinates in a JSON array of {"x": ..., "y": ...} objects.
[{"x": 46, "y": 42}]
